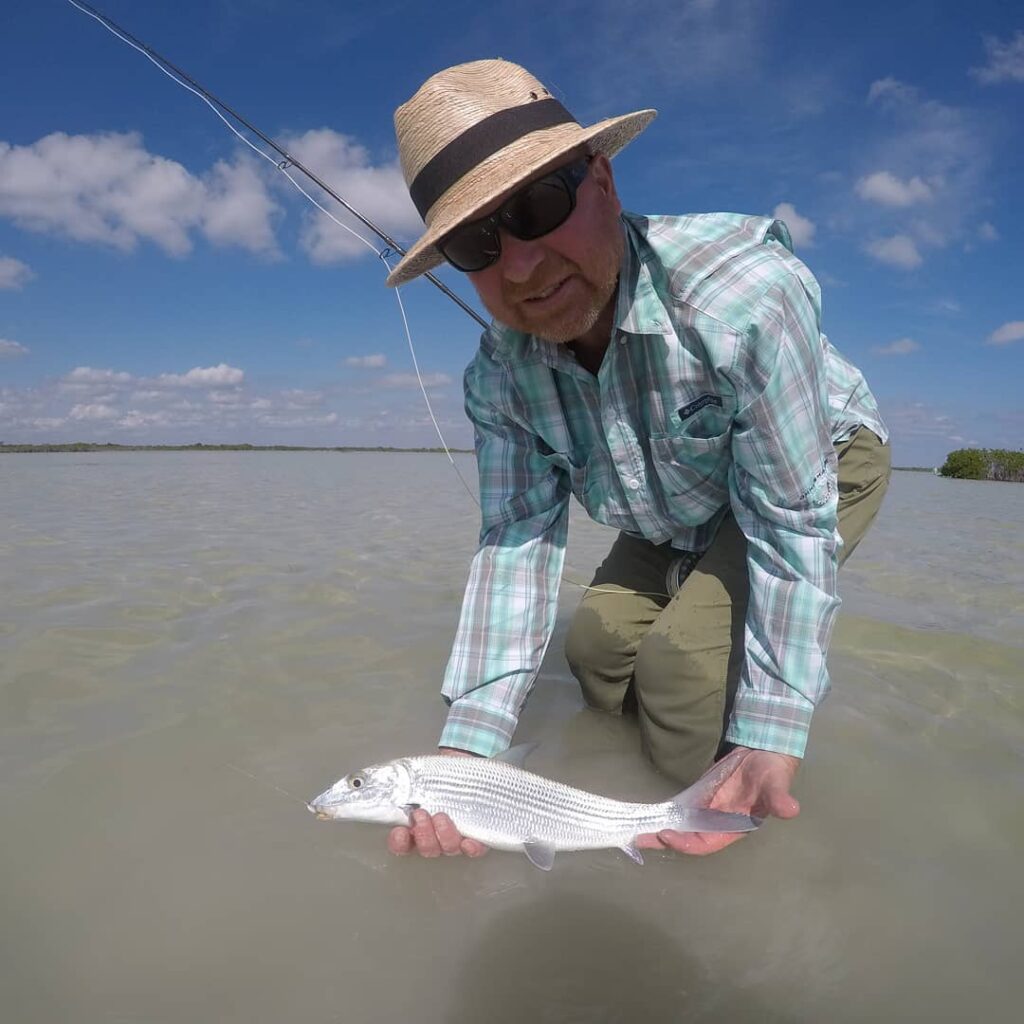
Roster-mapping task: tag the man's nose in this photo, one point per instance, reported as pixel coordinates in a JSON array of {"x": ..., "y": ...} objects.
[{"x": 519, "y": 259}]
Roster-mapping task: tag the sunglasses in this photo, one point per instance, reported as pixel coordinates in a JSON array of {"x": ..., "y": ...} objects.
[{"x": 533, "y": 211}]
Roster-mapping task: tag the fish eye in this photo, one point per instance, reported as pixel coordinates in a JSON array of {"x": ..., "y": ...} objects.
[{"x": 357, "y": 781}]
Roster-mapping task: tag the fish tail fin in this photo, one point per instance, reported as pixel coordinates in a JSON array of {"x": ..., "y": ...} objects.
[
  {"x": 692, "y": 803},
  {"x": 703, "y": 790},
  {"x": 700, "y": 819}
]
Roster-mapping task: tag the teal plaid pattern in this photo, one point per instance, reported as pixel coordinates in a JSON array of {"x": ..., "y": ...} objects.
[{"x": 718, "y": 390}]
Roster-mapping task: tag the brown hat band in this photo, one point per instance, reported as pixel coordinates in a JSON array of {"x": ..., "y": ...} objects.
[{"x": 477, "y": 143}]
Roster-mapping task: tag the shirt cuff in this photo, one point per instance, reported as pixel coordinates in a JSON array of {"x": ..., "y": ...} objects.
[
  {"x": 478, "y": 728},
  {"x": 770, "y": 723}
]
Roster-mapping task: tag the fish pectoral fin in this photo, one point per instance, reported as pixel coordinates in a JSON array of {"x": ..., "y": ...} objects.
[
  {"x": 634, "y": 853},
  {"x": 516, "y": 755},
  {"x": 408, "y": 809},
  {"x": 541, "y": 854}
]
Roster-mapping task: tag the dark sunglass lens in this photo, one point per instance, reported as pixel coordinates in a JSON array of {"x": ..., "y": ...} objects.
[
  {"x": 538, "y": 209},
  {"x": 471, "y": 247}
]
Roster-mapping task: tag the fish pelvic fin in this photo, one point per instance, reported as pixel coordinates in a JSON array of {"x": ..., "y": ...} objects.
[
  {"x": 633, "y": 852},
  {"x": 541, "y": 854}
]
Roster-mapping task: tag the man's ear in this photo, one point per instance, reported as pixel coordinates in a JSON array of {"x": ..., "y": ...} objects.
[{"x": 601, "y": 173}]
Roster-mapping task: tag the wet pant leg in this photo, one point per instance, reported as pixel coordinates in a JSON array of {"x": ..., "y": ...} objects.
[{"x": 680, "y": 658}]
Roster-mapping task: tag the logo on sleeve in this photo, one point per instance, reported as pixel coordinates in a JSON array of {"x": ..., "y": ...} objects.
[{"x": 700, "y": 403}]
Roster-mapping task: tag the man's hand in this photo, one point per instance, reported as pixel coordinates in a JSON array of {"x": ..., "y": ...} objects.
[
  {"x": 432, "y": 836},
  {"x": 757, "y": 784}
]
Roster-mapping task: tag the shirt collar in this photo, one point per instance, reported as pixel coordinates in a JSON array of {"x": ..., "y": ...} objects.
[{"x": 639, "y": 309}]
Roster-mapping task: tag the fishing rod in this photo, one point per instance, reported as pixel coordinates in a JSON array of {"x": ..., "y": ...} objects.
[{"x": 287, "y": 160}]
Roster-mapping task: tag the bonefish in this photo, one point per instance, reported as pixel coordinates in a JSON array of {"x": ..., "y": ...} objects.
[{"x": 498, "y": 802}]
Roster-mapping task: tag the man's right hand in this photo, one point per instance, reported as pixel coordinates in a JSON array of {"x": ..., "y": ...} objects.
[{"x": 430, "y": 836}]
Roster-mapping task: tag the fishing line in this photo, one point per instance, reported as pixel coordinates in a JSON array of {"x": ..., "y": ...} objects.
[
  {"x": 179, "y": 77},
  {"x": 263, "y": 782}
]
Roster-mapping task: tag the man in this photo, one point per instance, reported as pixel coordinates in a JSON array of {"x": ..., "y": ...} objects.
[{"x": 670, "y": 373}]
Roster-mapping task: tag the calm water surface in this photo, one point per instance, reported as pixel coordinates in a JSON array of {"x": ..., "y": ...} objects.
[{"x": 172, "y": 624}]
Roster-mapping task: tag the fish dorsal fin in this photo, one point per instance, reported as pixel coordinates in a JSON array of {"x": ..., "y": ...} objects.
[
  {"x": 541, "y": 854},
  {"x": 516, "y": 755}
]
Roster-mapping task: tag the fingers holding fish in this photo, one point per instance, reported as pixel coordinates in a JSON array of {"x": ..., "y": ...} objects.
[
  {"x": 400, "y": 841},
  {"x": 432, "y": 836},
  {"x": 696, "y": 844}
]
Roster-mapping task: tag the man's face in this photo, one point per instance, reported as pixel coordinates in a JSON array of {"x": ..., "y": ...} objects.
[{"x": 557, "y": 286}]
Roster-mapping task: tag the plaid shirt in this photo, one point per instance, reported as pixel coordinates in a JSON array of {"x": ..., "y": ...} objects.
[{"x": 718, "y": 390}]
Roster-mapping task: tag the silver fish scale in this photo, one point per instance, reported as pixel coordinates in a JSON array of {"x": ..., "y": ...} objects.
[{"x": 505, "y": 806}]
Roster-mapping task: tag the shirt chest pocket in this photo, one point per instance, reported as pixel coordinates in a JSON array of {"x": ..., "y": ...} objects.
[{"x": 695, "y": 458}]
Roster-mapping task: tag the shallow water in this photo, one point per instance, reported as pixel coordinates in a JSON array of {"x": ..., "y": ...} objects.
[{"x": 173, "y": 624}]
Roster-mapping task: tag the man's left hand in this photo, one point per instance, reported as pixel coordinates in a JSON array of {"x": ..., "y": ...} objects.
[{"x": 758, "y": 785}]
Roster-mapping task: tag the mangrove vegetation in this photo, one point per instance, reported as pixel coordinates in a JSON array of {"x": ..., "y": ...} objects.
[{"x": 984, "y": 464}]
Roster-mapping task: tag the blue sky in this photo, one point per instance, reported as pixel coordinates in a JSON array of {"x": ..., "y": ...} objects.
[{"x": 160, "y": 283}]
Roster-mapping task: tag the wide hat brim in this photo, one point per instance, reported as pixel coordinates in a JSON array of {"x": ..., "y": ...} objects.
[{"x": 503, "y": 172}]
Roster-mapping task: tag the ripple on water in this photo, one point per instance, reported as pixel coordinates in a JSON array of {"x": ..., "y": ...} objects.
[{"x": 55, "y": 597}]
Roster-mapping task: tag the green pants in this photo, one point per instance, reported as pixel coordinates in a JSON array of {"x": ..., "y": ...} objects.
[{"x": 676, "y": 661}]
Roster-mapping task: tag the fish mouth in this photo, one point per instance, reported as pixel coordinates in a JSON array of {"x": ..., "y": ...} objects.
[{"x": 318, "y": 812}]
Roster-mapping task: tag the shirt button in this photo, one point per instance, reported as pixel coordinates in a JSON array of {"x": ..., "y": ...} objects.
[{"x": 634, "y": 485}]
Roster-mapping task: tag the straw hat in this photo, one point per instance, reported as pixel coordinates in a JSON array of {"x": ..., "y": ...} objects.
[{"x": 472, "y": 133}]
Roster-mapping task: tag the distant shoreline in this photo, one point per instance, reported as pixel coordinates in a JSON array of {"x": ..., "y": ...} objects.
[
  {"x": 84, "y": 446},
  {"x": 88, "y": 446}
]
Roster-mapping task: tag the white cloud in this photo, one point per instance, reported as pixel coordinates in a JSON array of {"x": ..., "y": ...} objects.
[
  {"x": 409, "y": 380},
  {"x": 378, "y": 192},
  {"x": 225, "y": 397},
  {"x": 10, "y": 349},
  {"x": 885, "y": 188},
  {"x": 203, "y": 377},
  {"x": 107, "y": 188},
  {"x": 83, "y": 377},
  {"x": 238, "y": 208},
  {"x": 800, "y": 228},
  {"x": 930, "y": 154},
  {"x": 92, "y": 412},
  {"x": 297, "y": 398},
  {"x": 14, "y": 274},
  {"x": 1005, "y": 60},
  {"x": 278, "y": 419},
  {"x": 987, "y": 232},
  {"x": 1008, "y": 333},
  {"x": 378, "y": 359},
  {"x": 903, "y": 347},
  {"x": 89, "y": 403},
  {"x": 897, "y": 251}
]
